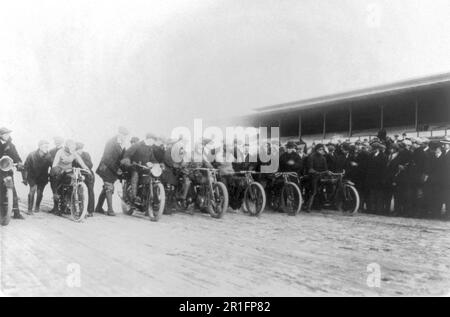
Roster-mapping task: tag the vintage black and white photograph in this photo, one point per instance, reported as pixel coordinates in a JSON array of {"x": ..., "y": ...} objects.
[{"x": 224, "y": 148}]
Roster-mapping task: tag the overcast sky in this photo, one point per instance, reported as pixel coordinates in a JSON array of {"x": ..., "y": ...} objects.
[{"x": 81, "y": 68}]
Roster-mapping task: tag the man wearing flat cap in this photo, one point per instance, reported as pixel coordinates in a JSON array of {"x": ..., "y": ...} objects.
[
  {"x": 141, "y": 153},
  {"x": 316, "y": 166},
  {"x": 420, "y": 168},
  {"x": 405, "y": 187},
  {"x": 290, "y": 161},
  {"x": 109, "y": 169},
  {"x": 7, "y": 148},
  {"x": 37, "y": 167}
]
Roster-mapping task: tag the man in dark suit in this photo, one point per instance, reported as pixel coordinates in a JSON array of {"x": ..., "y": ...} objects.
[
  {"x": 446, "y": 173},
  {"x": 59, "y": 143},
  {"x": 109, "y": 170},
  {"x": 375, "y": 177},
  {"x": 436, "y": 182},
  {"x": 7, "y": 148},
  {"x": 37, "y": 166},
  {"x": 420, "y": 167}
]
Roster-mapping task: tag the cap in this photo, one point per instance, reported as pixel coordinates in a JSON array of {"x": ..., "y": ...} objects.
[
  {"x": 123, "y": 131},
  {"x": 291, "y": 145},
  {"x": 43, "y": 142},
  {"x": 4, "y": 131},
  {"x": 446, "y": 140},
  {"x": 79, "y": 146}
]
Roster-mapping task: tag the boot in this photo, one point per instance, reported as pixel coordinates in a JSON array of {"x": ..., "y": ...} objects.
[
  {"x": 17, "y": 214},
  {"x": 30, "y": 204},
  {"x": 37, "y": 208},
  {"x": 109, "y": 202},
  {"x": 55, "y": 209},
  {"x": 101, "y": 201}
]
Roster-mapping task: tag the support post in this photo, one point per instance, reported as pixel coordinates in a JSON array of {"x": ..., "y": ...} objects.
[
  {"x": 350, "y": 121},
  {"x": 416, "y": 109},
  {"x": 299, "y": 126}
]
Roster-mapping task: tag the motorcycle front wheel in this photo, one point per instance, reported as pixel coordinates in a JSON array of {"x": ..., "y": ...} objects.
[
  {"x": 351, "y": 199},
  {"x": 126, "y": 208},
  {"x": 6, "y": 207},
  {"x": 78, "y": 202},
  {"x": 255, "y": 199},
  {"x": 219, "y": 200},
  {"x": 158, "y": 202}
]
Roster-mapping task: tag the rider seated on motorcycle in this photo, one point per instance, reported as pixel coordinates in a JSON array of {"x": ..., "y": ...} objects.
[
  {"x": 188, "y": 172},
  {"x": 141, "y": 153},
  {"x": 316, "y": 166},
  {"x": 63, "y": 165},
  {"x": 290, "y": 161}
]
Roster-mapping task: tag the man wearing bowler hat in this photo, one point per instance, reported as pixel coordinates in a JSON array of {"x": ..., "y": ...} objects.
[{"x": 7, "y": 148}]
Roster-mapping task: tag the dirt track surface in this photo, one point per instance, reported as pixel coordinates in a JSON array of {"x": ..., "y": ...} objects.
[{"x": 318, "y": 254}]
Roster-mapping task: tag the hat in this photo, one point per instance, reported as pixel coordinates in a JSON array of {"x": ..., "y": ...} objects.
[
  {"x": 345, "y": 146},
  {"x": 151, "y": 136},
  {"x": 79, "y": 146},
  {"x": 4, "y": 131},
  {"x": 378, "y": 145},
  {"x": 291, "y": 145},
  {"x": 42, "y": 142},
  {"x": 318, "y": 146},
  {"x": 425, "y": 140},
  {"x": 394, "y": 146},
  {"x": 446, "y": 140},
  {"x": 407, "y": 142},
  {"x": 123, "y": 131},
  {"x": 134, "y": 139}
]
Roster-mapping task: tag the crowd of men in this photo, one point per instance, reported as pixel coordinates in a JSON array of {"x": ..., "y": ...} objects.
[{"x": 394, "y": 176}]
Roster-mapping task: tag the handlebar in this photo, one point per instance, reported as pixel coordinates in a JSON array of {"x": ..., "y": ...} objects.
[
  {"x": 142, "y": 166},
  {"x": 247, "y": 172},
  {"x": 205, "y": 169},
  {"x": 294, "y": 174}
]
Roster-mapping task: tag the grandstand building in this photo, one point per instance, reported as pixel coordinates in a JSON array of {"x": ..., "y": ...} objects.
[{"x": 418, "y": 107}]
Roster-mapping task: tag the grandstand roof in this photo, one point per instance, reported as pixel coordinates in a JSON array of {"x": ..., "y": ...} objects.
[{"x": 360, "y": 94}]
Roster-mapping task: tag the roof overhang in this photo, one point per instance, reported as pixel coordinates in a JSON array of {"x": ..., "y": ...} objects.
[{"x": 360, "y": 94}]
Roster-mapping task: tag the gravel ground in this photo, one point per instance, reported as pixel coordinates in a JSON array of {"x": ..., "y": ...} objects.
[{"x": 317, "y": 254}]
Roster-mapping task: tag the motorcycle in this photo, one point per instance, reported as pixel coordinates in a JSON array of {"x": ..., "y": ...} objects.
[
  {"x": 285, "y": 194},
  {"x": 254, "y": 195},
  {"x": 73, "y": 195},
  {"x": 6, "y": 190},
  {"x": 150, "y": 191},
  {"x": 207, "y": 193}
]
